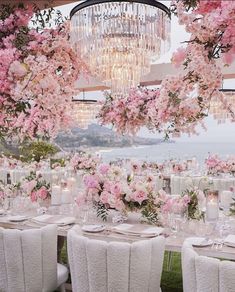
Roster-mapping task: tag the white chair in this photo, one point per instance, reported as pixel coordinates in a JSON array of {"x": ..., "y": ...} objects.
[
  {"x": 201, "y": 274},
  {"x": 100, "y": 266},
  {"x": 28, "y": 261}
]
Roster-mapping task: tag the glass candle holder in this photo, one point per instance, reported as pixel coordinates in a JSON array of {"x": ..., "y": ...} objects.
[{"x": 212, "y": 205}]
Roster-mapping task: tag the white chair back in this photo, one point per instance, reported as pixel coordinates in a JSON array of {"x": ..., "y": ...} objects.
[
  {"x": 100, "y": 266},
  {"x": 202, "y": 273},
  {"x": 28, "y": 260}
]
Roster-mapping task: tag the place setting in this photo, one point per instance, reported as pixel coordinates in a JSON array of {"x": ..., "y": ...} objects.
[{"x": 117, "y": 152}]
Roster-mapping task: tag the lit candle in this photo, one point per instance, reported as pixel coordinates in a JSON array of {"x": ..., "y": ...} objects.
[
  {"x": 71, "y": 184},
  {"x": 212, "y": 206},
  {"x": 212, "y": 210},
  {"x": 226, "y": 199},
  {"x": 55, "y": 195},
  {"x": 66, "y": 196}
]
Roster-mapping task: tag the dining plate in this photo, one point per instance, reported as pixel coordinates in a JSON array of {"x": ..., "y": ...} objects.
[
  {"x": 199, "y": 241},
  {"x": 2, "y": 212},
  {"x": 93, "y": 228},
  {"x": 17, "y": 218},
  {"x": 229, "y": 244},
  {"x": 230, "y": 240}
]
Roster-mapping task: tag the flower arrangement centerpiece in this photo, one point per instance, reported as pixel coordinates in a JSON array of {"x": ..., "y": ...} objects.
[
  {"x": 216, "y": 165},
  {"x": 8, "y": 190},
  {"x": 196, "y": 199},
  {"x": 105, "y": 189},
  {"x": 110, "y": 188},
  {"x": 179, "y": 167},
  {"x": 84, "y": 162},
  {"x": 143, "y": 197},
  {"x": 36, "y": 187}
]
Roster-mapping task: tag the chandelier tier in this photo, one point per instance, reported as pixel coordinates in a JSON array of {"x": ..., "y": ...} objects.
[
  {"x": 119, "y": 39},
  {"x": 218, "y": 111},
  {"x": 84, "y": 112}
]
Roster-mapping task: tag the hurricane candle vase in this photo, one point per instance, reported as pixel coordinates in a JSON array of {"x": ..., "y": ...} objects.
[{"x": 212, "y": 205}]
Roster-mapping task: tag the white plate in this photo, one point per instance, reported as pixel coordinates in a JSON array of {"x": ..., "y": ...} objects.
[
  {"x": 93, "y": 228},
  {"x": 199, "y": 241},
  {"x": 230, "y": 240},
  {"x": 17, "y": 218},
  {"x": 2, "y": 212},
  {"x": 229, "y": 244}
]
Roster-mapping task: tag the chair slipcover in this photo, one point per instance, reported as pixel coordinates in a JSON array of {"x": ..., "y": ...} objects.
[
  {"x": 28, "y": 260},
  {"x": 202, "y": 273},
  {"x": 100, "y": 266}
]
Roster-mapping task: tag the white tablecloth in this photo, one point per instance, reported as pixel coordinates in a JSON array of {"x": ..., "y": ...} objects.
[
  {"x": 180, "y": 183},
  {"x": 18, "y": 173}
]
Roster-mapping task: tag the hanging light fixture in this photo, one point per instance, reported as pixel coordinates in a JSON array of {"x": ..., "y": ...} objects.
[
  {"x": 119, "y": 39},
  {"x": 84, "y": 111},
  {"x": 217, "y": 109}
]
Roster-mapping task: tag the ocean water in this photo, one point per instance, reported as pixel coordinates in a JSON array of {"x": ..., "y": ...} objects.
[{"x": 167, "y": 151}]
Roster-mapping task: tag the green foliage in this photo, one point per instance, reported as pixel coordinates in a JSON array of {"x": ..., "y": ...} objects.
[
  {"x": 193, "y": 209},
  {"x": 232, "y": 208},
  {"x": 47, "y": 17},
  {"x": 37, "y": 151},
  {"x": 102, "y": 211}
]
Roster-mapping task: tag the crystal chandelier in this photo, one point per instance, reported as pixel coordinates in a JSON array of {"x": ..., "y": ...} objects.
[
  {"x": 119, "y": 39},
  {"x": 84, "y": 111},
  {"x": 217, "y": 109}
]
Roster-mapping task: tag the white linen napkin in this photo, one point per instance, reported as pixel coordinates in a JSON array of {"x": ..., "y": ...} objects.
[
  {"x": 230, "y": 240},
  {"x": 54, "y": 219},
  {"x": 196, "y": 240},
  {"x": 138, "y": 230}
]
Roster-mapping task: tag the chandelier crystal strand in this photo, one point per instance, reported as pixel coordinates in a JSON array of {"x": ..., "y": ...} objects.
[
  {"x": 84, "y": 112},
  {"x": 119, "y": 40},
  {"x": 217, "y": 108}
]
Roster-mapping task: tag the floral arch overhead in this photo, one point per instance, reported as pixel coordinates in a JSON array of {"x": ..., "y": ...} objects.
[
  {"x": 38, "y": 70},
  {"x": 184, "y": 100}
]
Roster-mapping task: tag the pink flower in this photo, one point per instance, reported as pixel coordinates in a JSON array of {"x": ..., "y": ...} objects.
[
  {"x": 179, "y": 57},
  {"x": 90, "y": 181},
  {"x": 34, "y": 196},
  {"x": 28, "y": 186},
  {"x": 42, "y": 193},
  {"x": 115, "y": 189},
  {"x": 104, "y": 197},
  {"x": 139, "y": 196},
  {"x": 104, "y": 168},
  {"x": 80, "y": 200},
  {"x": 18, "y": 69}
]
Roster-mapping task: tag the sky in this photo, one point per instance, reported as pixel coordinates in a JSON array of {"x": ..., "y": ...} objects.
[{"x": 216, "y": 133}]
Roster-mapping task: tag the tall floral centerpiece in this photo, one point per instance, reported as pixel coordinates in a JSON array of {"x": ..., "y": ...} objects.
[
  {"x": 109, "y": 188},
  {"x": 35, "y": 187},
  {"x": 84, "y": 162},
  {"x": 37, "y": 74}
]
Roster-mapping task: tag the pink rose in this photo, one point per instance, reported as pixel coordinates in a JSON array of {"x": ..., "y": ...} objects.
[
  {"x": 29, "y": 186},
  {"x": 104, "y": 197},
  {"x": 139, "y": 196},
  {"x": 104, "y": 168},
  {"x": 34, "y": 197},
  {"x": 116, "y": 189},
  {"x": 90, "y": 181},
  {"x": 80, "y": 200},
  {"x": 178, "y": 57},
  {"x": 42, "y": 193}
]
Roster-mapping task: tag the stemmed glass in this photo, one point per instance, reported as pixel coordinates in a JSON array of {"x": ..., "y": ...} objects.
[{"x": 176, "y": 218}]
